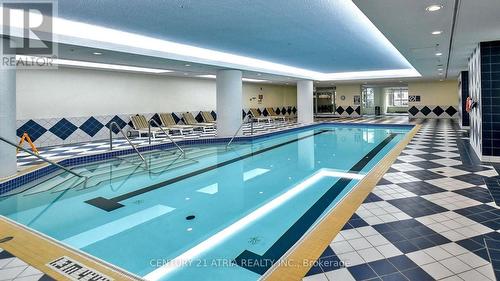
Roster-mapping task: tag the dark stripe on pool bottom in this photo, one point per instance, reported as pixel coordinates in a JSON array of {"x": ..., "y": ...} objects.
[
  {"x": 260, "y": 264},
  {"x": 112, "y": 203}
]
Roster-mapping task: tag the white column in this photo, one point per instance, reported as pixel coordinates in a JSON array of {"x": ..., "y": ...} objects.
[
  {"x": 228, "y": 102},
  {"x": 8, "y": 161},
  {"x": 305, "y": 101}
]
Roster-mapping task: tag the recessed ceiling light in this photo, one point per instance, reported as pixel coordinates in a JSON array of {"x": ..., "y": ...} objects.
[
  {"x": 439, "y": 54},
  {"x": 437, "y": 32},
  {"x": 187, "y": 64},
  {"x": 440, "y": 69},
  {"x": 433, "y": 8},
  {"x": 258, "y": 74},
  {"x": 185, "y": 73},
  {"x": 97, "y": 53}
]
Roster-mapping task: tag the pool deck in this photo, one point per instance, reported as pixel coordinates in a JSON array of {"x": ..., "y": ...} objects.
[{"x": 419, "y": 222}]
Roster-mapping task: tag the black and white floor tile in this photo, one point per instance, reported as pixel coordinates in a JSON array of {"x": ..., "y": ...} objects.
[
  {"x": 427, "y": 219},
  {"x": 14, "y": 269}
]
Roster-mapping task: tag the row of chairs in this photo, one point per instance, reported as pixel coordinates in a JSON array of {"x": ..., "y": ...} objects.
[
  {"x": 168, "y": 124},
  {"x": 271, "y": 115}
]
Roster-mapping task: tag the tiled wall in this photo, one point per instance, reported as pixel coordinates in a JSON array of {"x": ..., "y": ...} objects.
[
  {"x": 67, "y": 130},
  {"x": 433, "y": 111},
  {"x": 349, "y": 110},
  {"x": 484, "y": 88},
  {"x": 463, "y": 93},
  {"x": 490, "y": 97}
]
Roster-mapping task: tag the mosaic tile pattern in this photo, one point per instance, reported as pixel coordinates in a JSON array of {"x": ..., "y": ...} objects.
[{"x": 427, "y": 219}]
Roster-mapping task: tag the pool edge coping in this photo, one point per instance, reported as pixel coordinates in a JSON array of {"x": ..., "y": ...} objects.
[
  {"x": 25, "y": 240},
  {"x": 312, "y": 245}
]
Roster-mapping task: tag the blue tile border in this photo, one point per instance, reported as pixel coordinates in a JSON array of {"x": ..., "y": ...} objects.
[{"x": 21, "y": 180}]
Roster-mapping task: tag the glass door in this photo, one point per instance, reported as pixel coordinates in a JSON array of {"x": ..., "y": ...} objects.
[
  {"x": 324, "y": 101},
  {"x": 367, "y": 101}
]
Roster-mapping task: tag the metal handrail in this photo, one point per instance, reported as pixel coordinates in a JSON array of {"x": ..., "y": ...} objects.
[
  {"x": 128, "y": 140},
  {"x": 42, "y": 158},
  {"x": 241, "y": 126},
  {"x": 168, "y": 136}
]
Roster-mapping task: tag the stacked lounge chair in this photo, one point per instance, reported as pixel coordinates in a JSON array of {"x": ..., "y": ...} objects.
[
  {"x": 258, "y": 117},
  {"x": 207, "y": 117},
  {"x": 168, "y": 122},
  {"x": 141, "y": 126},
  {"x": 273, "y": 115},
  {"x": 191, "y": 121}
]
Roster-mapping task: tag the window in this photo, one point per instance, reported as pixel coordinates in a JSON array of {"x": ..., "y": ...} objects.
[{"x": 397, "y": 96}]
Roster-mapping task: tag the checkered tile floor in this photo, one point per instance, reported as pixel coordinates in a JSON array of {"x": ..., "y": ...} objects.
[
  {"x": 55, "y": 153},
  {"x": 12, "y": 268},
  {"x": 426, "y": 219}
]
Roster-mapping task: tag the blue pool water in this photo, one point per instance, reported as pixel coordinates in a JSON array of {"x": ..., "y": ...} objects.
[{"x": 213, "y": 215}]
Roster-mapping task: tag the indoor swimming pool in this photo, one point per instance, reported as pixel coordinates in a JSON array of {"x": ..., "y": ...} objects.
[{"x": 216, "y": 213}]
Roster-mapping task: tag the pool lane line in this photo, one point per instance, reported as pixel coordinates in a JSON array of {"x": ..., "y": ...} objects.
[
  {"x": 112, "y": 204},
  {"x": 299, "y": 259},
  {"x": 260, "y": 264}
]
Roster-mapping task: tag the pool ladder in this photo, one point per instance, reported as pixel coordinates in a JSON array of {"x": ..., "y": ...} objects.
[
  {"x": 168, "y": 136},
  {"x": 128, "y": 140},
  {"x": 42, "y": 158},
  {"x": 249, "y": 116}
]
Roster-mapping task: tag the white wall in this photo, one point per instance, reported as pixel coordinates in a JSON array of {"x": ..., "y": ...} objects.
[
  {"x": 70, "y": 92},
  {"x": 435, "y": 92}
]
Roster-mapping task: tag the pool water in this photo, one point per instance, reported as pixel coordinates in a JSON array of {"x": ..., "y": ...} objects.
[{"x": 214, "y": 214}]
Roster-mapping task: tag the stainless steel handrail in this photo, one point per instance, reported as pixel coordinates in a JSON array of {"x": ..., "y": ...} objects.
[
  {"x": 128, "y": 140},
  {"x": 168, "y": 136},
  {"x": 42, "y": 158},
  {"x": 250, "y": 116}
]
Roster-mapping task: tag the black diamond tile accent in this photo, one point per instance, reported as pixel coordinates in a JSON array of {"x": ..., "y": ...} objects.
[
  {"x": 349, "y": 110},
  {"x": 214, "y": 115},
  {"x": 177, "y": 119},
  {"x": 199, "y": 117},
  {"x": 438, "y": 110},
  {"x": 63, "y": 129},
  {"x": 91, "y": 127},
  {"x": 118, "y": 121},
  {"x": 264, "y": 112},
  {"x": 358, "y": 110},
  {"x": 294, "y": 110},
  {"x": 33, "y": 129},
  {"x": 425, "y": 110},
  {"x": 451, "y": 111},
  {"x": 340, "y": 110},
  {"x": 156, "y": 117},
  {"x": 413, "y": 111}
]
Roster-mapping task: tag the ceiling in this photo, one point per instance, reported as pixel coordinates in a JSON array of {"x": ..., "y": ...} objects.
[
  {"x": 321, "y": 35},
  {"x": 408, "y": 26}
]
